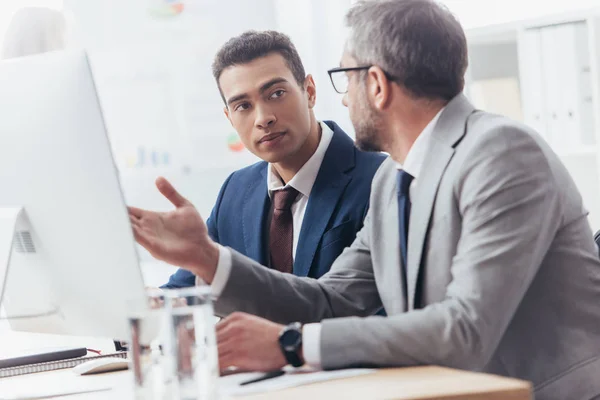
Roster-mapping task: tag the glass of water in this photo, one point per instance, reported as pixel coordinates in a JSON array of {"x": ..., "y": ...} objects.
[
  {"x": 192, "y": 343},
  {"x": 151, "y": 369}
]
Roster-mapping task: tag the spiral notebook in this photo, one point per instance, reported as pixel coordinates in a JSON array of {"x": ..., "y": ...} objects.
[{"x": 54, "y": 365}]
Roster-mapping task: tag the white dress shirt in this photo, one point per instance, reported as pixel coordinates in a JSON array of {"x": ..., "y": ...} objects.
[
  {"x": 311, "y": 333},
  {"x": 303, "y": 182}
]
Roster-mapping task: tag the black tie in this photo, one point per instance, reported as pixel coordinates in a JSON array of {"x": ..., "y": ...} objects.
[{"x": 404, "y": 181}]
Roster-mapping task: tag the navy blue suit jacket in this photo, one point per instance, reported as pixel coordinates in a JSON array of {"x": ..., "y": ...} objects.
[{"x": 334, "y": 214}]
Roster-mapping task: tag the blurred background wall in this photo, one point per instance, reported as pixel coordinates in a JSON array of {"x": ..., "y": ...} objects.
[{"x": 151, "y": 60}]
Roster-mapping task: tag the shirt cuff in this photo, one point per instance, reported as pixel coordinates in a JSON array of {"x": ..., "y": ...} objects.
[
  {"x": 311, "y": 345},
  {"x": 221, "y": 274}
]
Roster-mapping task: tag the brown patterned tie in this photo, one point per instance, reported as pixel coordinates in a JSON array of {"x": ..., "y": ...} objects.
[{"x": 281, "y": 233}]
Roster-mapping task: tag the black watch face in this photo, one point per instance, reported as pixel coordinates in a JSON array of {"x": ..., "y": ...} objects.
[{"x": 290, "y": 340}]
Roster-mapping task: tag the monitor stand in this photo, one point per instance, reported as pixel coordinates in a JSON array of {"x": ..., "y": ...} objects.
[
  {"x": 9, "y": 218},
  {"x": 17, "y": 253}
]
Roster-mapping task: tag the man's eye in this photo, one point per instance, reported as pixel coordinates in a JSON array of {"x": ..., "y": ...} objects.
[
  {"x": 242, "y": 107},
  {"x": 276, "y": 94}
]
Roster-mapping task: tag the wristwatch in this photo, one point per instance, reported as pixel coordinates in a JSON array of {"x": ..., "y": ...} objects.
[{"x": 290, "y": 340}]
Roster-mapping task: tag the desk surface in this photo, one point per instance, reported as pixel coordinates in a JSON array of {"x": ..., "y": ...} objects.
[
  {"x": 410, "y": 384},
  {"x": 401, "y": 384}
]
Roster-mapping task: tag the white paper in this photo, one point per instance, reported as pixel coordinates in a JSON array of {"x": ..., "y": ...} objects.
[
  {"x": 63, "y": 385},
  {"x": 40, "y": 393},
  {"x": 230, "y": 385}
]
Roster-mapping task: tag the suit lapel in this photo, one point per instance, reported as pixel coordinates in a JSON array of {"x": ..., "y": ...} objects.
[
  {"x": 324, "y": 197},
  {"x": 254, "y": 214},
  {"x": 421, "y": 209},
  {"x": 447, "y": 133}
]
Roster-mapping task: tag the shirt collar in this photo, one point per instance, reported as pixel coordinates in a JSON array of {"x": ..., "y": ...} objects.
[
  {"x": 416, "y": 155},
  {"x": 305, "y": 178}
]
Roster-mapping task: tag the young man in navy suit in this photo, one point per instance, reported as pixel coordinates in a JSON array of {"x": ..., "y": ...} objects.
[{"x": 300, "y": 207}]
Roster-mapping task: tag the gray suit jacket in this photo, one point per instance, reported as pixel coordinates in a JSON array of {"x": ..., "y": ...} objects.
[{"x": 503, "y": 275}]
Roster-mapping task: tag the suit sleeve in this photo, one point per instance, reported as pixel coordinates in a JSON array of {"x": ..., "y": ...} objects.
[
  {"x": 347, "y": 289},
  {"x": 183, "y": 278},
  {"x": 511, "y": 210}
]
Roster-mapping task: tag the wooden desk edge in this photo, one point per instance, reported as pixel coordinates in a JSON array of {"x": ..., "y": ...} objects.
[{"x": 487, "y": 386}]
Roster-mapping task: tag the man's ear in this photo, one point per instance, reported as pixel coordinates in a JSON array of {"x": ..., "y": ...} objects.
[
  {"x": 379, "y": 88},
  {"x": 226, "y": 111},
  {"x": 311, "y": 90}
]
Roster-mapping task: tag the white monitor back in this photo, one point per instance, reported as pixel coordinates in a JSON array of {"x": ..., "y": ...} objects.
[{"x": 74, "y": 257}]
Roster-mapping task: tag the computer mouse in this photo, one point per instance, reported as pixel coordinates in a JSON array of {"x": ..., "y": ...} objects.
[{"x": 101, "y": 365}]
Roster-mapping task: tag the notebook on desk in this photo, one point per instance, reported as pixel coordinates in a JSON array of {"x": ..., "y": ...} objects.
[
  {"x": 38, "y": 356},
  {"x": 53, "y": 365}
]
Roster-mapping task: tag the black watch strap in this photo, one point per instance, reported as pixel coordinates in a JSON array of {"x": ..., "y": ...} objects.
[{"x": 293, "y": 358}]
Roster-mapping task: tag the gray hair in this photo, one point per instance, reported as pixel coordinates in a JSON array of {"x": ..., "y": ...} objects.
[
  {"x": 34, "y": 30},
  {"x": 419, "y": 43}
]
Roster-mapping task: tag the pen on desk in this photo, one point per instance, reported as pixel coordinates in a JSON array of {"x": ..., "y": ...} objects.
[{"x": 268, "y": 375}]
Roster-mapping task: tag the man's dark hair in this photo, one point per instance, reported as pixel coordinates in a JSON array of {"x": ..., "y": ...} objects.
[
  {"x": 251, "y": 45},
  {"x": 418, "y": 42}
]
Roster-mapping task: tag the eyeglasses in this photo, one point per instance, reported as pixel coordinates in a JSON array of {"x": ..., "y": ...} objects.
[{"x": 339, "y": 78}]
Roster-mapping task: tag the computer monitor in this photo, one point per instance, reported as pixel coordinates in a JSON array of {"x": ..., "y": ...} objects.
[{"x": 74, "y": 266}]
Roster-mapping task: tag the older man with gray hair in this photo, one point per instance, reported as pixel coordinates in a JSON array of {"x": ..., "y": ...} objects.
[{"x": 476, "y": 243}]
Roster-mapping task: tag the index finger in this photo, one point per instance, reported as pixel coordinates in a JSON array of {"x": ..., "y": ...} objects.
[{"x": 167, "y": 190}]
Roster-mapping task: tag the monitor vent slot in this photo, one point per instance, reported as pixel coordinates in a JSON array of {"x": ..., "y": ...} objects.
[{"x": 23, "y": 242}]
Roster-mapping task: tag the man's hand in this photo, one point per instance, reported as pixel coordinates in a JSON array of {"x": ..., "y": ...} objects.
[
  {"x": 179, "y": 237},
  {"x": 249, "y": 343}
]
